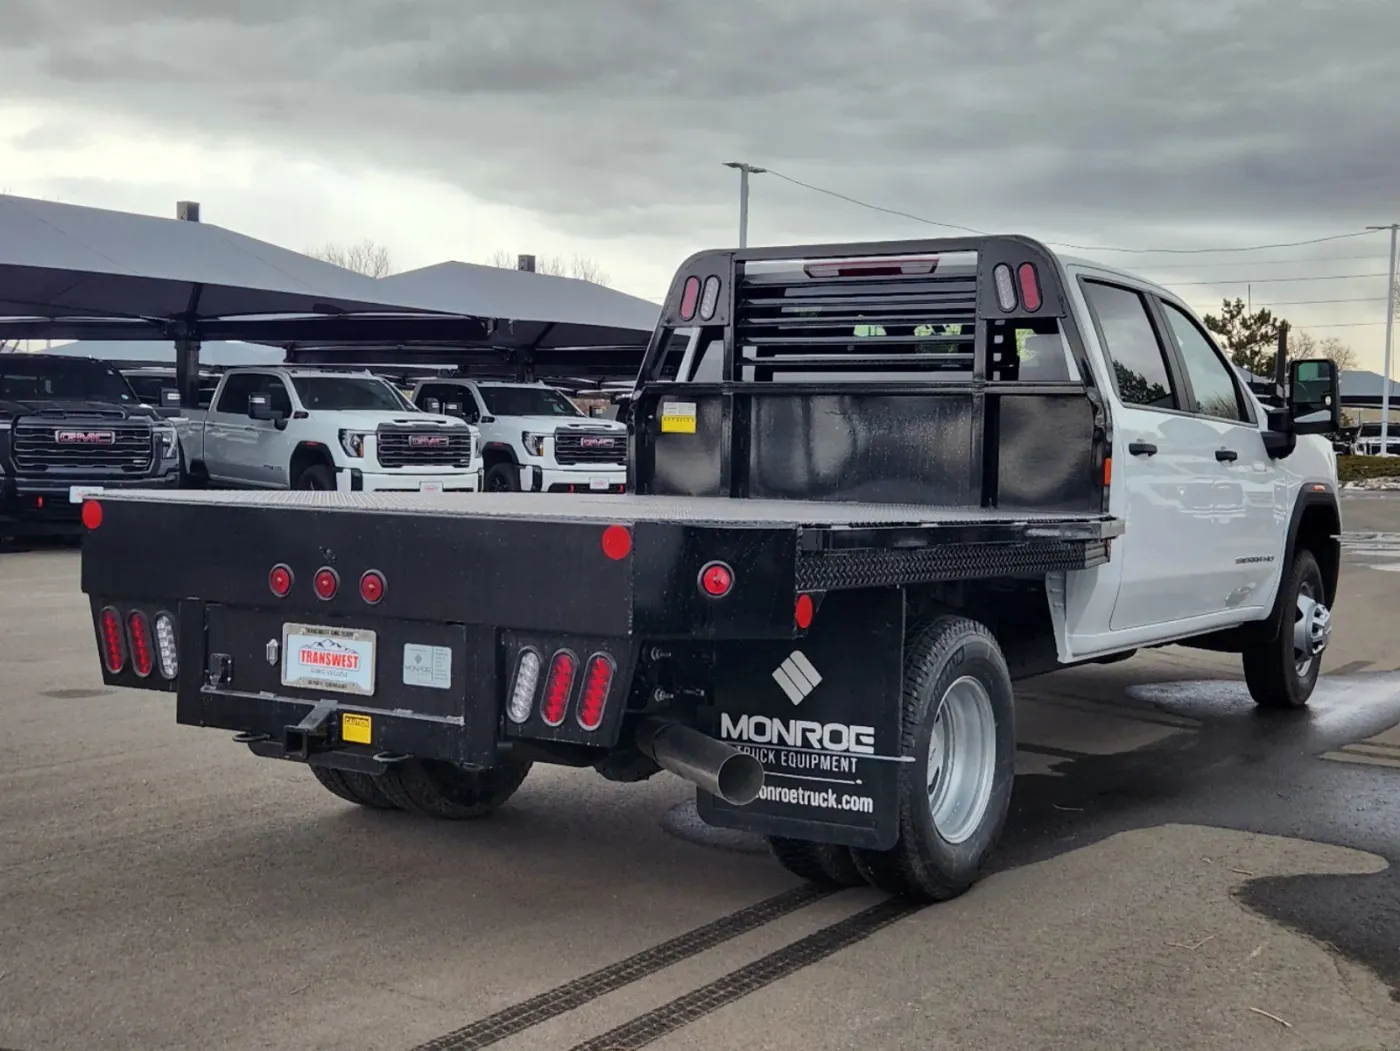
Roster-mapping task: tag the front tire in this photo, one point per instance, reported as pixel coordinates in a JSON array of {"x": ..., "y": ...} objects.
[
  {"x": 960, "y": 728},
  {"x": 317, "y": 477},
  {"x": 1281, "y": 673},
  {"x": 452, "y": 793},
  {"x": 503, "y": 478}
]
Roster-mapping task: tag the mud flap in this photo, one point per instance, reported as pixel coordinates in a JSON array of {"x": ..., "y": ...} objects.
[{"x": 822, "y": 714}]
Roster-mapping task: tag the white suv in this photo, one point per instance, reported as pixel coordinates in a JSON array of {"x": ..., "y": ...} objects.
[
  {"x": 300, "y": 428},
  {"x": 533, "y": 438}
]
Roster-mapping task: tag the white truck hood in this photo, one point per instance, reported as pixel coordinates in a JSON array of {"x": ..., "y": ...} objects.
[
  {"x": 550, "y": 424},
  {"x": 370, "y": 419}
]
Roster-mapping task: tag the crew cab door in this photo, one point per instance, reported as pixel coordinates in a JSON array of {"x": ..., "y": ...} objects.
[
  {"x": 1170, "y": 555},
  {"x": 228, "y": 430},
  {"x": 1250, "y": 507}
]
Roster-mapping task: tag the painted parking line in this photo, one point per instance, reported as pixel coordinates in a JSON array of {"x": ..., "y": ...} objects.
[
  {"x": 1055, "y": 729},
  {"x": 1381, "y": 750}
]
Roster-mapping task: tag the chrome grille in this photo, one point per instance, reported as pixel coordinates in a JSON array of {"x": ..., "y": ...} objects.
[
  {"x": 83, "y": 444},
  {"x": 584, "y": 447},
  {"x": 424, "y": 447}
]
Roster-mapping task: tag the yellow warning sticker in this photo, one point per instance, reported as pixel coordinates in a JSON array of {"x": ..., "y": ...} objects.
[
  {"x": 356, "y": 729},
  {"x": 678, "y": 417}
]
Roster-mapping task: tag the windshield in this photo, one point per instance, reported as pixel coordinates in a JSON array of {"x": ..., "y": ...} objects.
[
  {"x": 333, "y": 393},
  {"x": 45, "y": 379},
  {"x": 527, "y": 401}
]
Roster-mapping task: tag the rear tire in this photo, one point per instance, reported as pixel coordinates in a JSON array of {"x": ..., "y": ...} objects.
[
  {"x": 360, "y": 789},
  {"x": 825, "y": 864},
  {"x": 452, "y": 793},
  {"x": 503, "y": 478},
  {"x": 317, "y": 477},
  {"x": 960, "y": 728},
  {"x": 1282, "y": 672}
]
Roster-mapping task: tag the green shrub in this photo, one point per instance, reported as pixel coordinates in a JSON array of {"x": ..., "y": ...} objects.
[{"x": 1354, "y": 468}]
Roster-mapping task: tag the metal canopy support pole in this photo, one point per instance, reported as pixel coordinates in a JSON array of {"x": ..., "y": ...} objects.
[{"x": 1389, "y": 331}]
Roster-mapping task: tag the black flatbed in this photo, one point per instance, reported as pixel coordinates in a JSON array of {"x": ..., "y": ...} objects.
[{"x": 632, "y": 508}]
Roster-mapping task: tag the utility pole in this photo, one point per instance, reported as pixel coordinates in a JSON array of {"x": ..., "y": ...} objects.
[
  {"x": 745, "y": 170},
  {"x": 1389, "y": 328}
]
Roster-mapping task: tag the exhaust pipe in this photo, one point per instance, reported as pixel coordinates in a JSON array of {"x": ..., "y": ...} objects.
[{"x": 713, "y": 766}]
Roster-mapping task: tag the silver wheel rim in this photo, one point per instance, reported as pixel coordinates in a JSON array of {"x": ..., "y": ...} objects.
[
  {"x": 962, "y": 759},
  {"x": 1312, "y": 628}
]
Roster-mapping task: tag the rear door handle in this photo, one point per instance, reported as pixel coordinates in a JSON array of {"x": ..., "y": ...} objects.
[
  {"x": 1142, "y": 449},
  {"x": 1226, "y": 455}
]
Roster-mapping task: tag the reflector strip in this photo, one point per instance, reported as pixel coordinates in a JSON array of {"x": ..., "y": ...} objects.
[
  {"x": 596, "y": 684},
  {"x": 558, "y": 688}
]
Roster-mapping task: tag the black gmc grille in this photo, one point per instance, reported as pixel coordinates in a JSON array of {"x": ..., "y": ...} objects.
[
  {"x": 56, "y": 443},
  {"x": 425, "y": 448},
  {"x": 590, "y": 448}
]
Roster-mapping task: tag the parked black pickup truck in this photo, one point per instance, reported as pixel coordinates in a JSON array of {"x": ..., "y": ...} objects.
[
  {"x": 71, "y": 428},
  {"x": 870, "y": 487}
]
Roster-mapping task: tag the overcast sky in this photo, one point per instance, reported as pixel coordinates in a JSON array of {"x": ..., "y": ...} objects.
[{"x": 456, "y": 128}]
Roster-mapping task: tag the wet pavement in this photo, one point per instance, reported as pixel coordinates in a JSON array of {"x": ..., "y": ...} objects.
[{"x": 1180, "y": 870}]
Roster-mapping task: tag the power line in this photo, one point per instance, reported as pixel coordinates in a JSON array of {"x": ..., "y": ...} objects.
[
  {"x": 1063, "y": 244},
  {"x": 1274, "y": 280},
  {"x": 1264, "y": 262}
]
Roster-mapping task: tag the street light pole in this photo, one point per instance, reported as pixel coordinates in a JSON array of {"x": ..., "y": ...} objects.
[
  {"x": 745, "y": 170},
  {"x": 1389, "y": 328}
]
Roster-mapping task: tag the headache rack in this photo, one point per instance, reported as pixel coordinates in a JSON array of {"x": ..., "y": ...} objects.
[{"x": 956, "y": 360}]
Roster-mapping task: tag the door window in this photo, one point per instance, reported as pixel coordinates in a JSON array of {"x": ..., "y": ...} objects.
[
  {"x": 1139, "y": 363},
  {"x": 237, "y": 389},
  {"x": 1214, "y": 387}
]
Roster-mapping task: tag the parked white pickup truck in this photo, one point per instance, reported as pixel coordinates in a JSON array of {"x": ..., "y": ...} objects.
[
  {"x": 533, "y": 437},
  {"x": 297, "y": 428}
]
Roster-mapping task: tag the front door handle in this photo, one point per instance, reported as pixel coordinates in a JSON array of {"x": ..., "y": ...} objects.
[
  {"x": 1226, "y": 455},
  {"x": 1142, "y": 449}
]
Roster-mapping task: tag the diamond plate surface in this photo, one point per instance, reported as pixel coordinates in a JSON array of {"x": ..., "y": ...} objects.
[{"x": 872, "y": 567}]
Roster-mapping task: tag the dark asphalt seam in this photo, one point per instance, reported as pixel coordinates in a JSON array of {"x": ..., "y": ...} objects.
[
  {"x": 564, "y": 998},
  {"x": 682, "y": 1011}
]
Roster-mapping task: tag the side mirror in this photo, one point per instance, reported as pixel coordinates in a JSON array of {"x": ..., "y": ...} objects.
[
  {"x": 431, "y": 405},
  {"x": 169, "y": 398},
  {"x": 1314, "y": 401},
  {"x": 260, "y": 407},
  {"x": 452, "y": 408}
]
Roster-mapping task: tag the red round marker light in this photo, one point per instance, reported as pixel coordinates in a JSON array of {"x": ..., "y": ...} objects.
[
  {"x": 617, "y": 542},
  {"x": 804, "y": 611},
  {"x": 716, "y": 579},
  {"x": 92, "y": 514},
  {"x": 280, "y": 581},
  {"x": 372, "y": 586},
  {"x": 326, "y": 583}
]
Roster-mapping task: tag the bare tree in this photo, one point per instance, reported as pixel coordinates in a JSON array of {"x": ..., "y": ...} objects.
[
  {"x": 581, "y": 267},
  {"x": 1303, "y": 345},
  {"x": 366, "y": 257}
]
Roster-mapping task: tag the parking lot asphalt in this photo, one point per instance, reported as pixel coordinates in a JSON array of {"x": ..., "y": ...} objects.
[{"x": 1179, "y": 871}]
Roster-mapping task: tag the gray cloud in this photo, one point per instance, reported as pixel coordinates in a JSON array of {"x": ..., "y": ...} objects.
[{"x": 1184, "y": 121}]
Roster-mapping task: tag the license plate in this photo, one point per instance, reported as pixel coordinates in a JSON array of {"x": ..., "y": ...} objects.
[
  {"x": 78, "y": 493},
  {"x": 324, "y": 658},
  {"x": 599, "y": 483},
  {"x": 430, "y": 487}
]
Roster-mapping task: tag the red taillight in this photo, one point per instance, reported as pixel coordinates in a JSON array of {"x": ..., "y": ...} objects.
[
  {"x": 803, "y": 612},
  {"x": 372, "y": 586},
  {"x": 617, "y": 542},
  {"x": 113, "y": 641},
  {"x": 326, "y": 583},
  {"x": 1030, "y": 286},
  {"x": 597, "y": 680},
  {"x": 92, "y": 514},
  {"x": 279, "y": 580},
  {"x": 142, "y": 654},
  {"x": 557, "y": 688},
  {"x": 716, "y": 579},
  {"x": 690, "y": 298}
]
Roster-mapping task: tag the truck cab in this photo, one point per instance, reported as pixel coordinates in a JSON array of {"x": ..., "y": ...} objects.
[
  {"x": 72, "y": 427},
  {"x": 534, "y": 438},
  {"x": 299, "y": 428}
]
